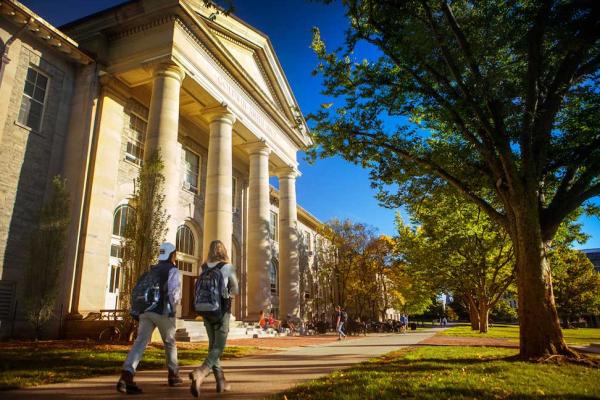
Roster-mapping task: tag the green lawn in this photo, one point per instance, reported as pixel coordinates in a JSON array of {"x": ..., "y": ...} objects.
[
  {"x": 581, "y": 336},
  {"x": 452, "y": 372},
  {"x": 31, "y": 365}
]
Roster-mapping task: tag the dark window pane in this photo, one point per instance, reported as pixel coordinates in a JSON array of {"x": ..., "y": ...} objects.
[
  {"x": 29, "y": 88},
  {"x": 31, "y": 75},
  {"x": 42, "y": 81},
  {"x": 39, "y": 94}
]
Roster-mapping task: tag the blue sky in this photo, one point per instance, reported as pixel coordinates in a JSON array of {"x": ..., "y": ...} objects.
[{"x": 332, "y": 187}]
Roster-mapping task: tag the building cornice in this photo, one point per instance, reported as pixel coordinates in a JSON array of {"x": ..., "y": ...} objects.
[{"x": 44, "y": 31}]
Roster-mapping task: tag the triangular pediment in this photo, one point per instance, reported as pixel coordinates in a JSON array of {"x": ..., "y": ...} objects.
[
  {"x": 253, "y": 52},
  {"x": 249, "y": 61}
]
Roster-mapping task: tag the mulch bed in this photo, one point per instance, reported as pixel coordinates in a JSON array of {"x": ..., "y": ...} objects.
[{"x": 469, "y": 341}]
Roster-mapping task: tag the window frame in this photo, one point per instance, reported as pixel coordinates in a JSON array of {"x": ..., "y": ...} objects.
[
  {"x": 274, "y": 285},
  {"x": 185, "y": 183},
  {"x": 186, "y": 263},
  {"x": 274, "y": 226},
  {"x": 129, "y": 138},
  {"x": 31, "y": 98}
]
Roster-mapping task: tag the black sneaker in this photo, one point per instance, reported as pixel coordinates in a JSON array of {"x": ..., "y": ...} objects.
[{"x": 128, "y": 388}]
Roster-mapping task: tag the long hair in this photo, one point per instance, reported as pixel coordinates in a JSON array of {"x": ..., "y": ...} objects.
[{"x": 217, "y": 252}]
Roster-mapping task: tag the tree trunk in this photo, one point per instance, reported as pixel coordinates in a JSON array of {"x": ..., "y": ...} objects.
[
  {"x": 473, "y": 315},
  {"x": 540, "y": 333},
  {"x": 484, "y": 314}
]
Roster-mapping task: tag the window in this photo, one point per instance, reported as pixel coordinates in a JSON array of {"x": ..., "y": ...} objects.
[
  {"x": 123, "y": 215},
  {"x": 307, "y": 239},
  {"x": 34, "y": 97},
  {"x": 115, "y": 275},
  {"x": 273, "y": 277},
  {"x": 136, "y": 136},
  {"x": 274, "y": 232},
  {"x": 192, "y": 171},
  {"x": 234, "y": 194},
  {"x": 186, "y": 249}
]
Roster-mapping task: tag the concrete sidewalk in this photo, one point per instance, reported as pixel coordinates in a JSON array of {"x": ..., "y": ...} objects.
[{"x": 251, "y": 377}]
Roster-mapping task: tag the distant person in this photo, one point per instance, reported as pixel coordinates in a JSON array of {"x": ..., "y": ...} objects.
[
  {"x": 403, "y": 323},
  {"x": 444, "y": 321},
  {"x": 215, "y": 270},
  {"x": 154, "y": 298},
  {"x": 341, "y": 318}
]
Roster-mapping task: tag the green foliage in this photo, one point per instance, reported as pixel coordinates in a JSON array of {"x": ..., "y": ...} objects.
[
  {"x": 499, "y": 100},
  {"x": 503, "y": 312},
  {"x": 47, "y": 254},
  {"x": 452, "y": 372},
  {"x": 500, "y": 97},
  {"x": 458, "y": 249},
  {"x": 146, "y": 229},
  {"x": 576, "y": 285}
]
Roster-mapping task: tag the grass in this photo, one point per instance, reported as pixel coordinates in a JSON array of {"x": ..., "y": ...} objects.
[
  {"x": 580, "y": 336},
  {"x": 30, "y": 364},
  {"x": 452, "y": 372}
]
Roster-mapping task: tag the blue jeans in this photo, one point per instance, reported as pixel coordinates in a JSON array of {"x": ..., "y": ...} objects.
[
  {"x": 340, "y": 330},
  {"x": 166, "y": 327},
  {"x": 217, "y": 337}
]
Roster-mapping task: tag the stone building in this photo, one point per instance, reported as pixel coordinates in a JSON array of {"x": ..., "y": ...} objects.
[{"x": 90, "y": 100}]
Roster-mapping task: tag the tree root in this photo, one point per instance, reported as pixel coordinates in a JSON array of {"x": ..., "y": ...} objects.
[{"x": 568, "y": 356}]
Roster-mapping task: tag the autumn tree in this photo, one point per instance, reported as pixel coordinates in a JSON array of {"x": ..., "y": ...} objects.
[
  {"x": 460, "y": 250},
  {"x": 497, "y": 99}
]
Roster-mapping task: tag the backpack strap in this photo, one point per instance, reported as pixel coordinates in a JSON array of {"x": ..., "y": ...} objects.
[{"x": 221, "y": 264}]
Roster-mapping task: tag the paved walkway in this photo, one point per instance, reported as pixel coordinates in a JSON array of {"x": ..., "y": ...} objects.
[{"x": 251, "y": 377}]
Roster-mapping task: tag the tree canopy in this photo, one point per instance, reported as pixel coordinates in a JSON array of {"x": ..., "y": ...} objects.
[
  {"x": 497, "y": 99},
  {"x": 459, "y": 250}
]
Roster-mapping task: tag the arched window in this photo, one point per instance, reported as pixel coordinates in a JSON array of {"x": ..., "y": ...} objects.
[
  {"x": 123, "y": 214},
  {"x": 273, "y": 277},
  {"x": 186, "y": 249}
]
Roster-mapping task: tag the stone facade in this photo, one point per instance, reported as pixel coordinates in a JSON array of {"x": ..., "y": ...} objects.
[{"x": 210, "y": 95}]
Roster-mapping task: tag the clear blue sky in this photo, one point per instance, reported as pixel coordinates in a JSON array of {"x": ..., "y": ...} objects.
[{"x": 332, "y": 187}]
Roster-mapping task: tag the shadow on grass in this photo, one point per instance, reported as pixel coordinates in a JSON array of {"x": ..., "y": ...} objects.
[{"x": 451, "y": 373}]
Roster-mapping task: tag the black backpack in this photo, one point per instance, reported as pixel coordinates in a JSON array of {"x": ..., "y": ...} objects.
[
  {"x": 344, "y": 316},
  {"x": 148, "y": 293},
  {"x": 208, "y": 293}
]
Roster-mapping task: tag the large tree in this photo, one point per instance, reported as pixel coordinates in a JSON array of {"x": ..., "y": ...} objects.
[
  {"x": 460, "y": 250},
  {"x": 497, "y": 99}
]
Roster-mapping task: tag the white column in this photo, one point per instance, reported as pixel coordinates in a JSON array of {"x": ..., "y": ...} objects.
[
  {"x": 218, "y": 213},
  {"x": 161, "y": 134},
  {"x": 289, "y": 268},
  {"x": 258, "y": 242}
]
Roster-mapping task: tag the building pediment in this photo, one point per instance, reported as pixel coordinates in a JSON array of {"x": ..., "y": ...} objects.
[{"x": 244, "y": 53}]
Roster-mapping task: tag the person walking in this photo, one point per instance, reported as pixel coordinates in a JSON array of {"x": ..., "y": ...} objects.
[
  {"x": 160, "y": 314},
  {"x": 341, "y": 318},
  {"x": 217, "y": 327}
]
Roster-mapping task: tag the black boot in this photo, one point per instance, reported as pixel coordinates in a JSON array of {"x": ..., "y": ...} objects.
[
  {"x": 174, "y": 379},
  {"x": 222, "y": 384},
  {"x": 197, "y": 376},
  {"x": 127, "y": 385}
]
